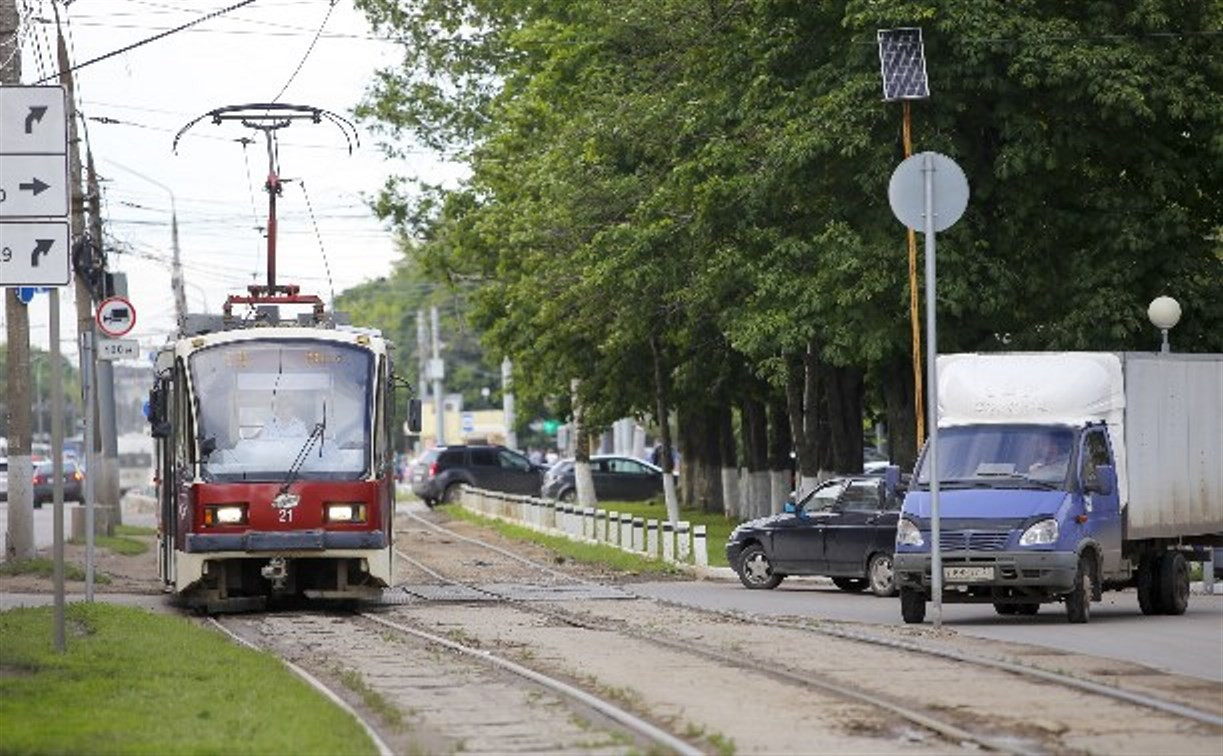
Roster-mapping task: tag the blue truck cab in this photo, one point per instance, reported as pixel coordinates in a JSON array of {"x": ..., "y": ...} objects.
[{"x": 1061, "y": 475}]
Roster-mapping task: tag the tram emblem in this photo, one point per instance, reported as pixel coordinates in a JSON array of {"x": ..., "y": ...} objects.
[{"x": 286, "y": 501}]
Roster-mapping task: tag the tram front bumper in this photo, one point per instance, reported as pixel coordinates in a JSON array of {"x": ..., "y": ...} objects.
[{"x": 297, "y": 540}]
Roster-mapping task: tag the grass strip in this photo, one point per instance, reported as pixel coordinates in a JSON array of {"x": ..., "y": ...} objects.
[
  {"x": 584, "y": 553},
  {"x": 116, "y": 544},
  {"x": 134, "y": 530},
  {"x": 45, "y": 567},
  {"x": 133, "y": 681}
]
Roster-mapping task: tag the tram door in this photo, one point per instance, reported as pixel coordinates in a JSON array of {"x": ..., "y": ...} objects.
[{"x": 163, "y": 416}]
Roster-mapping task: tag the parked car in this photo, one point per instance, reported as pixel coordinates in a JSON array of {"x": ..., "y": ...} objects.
[
  {"x": 616, "y": 478},
  {"x": 438, "y": 473},
  {"x": 844, "y": 529},
  {"x": 44, "y": 480}
]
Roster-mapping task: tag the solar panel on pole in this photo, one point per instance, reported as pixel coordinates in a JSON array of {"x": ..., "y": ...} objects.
[{"x": 902, "y": 61}]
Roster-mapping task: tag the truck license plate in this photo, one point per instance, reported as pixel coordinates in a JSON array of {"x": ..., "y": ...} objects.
[{"x": 968, "y": 574}]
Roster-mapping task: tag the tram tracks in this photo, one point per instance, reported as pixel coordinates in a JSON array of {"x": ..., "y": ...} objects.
[{"x": 1089, "y": 714}]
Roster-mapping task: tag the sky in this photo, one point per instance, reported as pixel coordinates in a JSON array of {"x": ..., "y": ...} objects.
[{"x": 135, "y": 102}]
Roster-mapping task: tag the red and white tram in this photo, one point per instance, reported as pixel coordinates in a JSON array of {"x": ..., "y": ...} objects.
[{"x": 275, "y": 470}]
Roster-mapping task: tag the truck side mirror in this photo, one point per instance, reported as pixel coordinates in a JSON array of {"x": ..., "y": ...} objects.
[
  {"x": 414, "y": 415},
  {"x": 891, "y": 480},
  {"x": 1105, "y": 482}
]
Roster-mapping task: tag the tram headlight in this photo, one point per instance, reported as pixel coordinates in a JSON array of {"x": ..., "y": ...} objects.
[
  {"x": 345, "y": 512},
  {"x": 224, "y": 514}
]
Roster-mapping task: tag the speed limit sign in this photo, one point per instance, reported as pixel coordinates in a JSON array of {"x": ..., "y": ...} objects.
[{"x": 115, "y": 317}]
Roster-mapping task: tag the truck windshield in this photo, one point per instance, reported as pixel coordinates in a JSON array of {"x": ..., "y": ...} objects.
[
  {"x": 1003, "y": 454},
  {"x": 257, "y": 403}
]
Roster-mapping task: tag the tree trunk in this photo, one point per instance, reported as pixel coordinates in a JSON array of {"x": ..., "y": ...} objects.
[
  {"x": 663, "y": 409},
  {"x": 779, "y": 446},
  {"x": 897, "y": 384},
  {"x": 815, "y": 416},
  {"x": 805, "y": 467},
  {"x": 845, "y": 395},
  {"x": 729, "y": 459},
  {"x": 701, "y": 477},
  {"x": 583, "y": 481},
  {"x": 755, "y": 449}
]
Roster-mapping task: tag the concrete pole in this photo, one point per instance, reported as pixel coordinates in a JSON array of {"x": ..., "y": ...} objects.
[
  {"x": 19, "y": 543},
  {"x": 108, "y": 480},
  {"x": 436, "y": 374}
]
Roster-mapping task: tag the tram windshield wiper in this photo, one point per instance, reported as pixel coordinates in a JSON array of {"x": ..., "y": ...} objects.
[{"x": 316, "y": 434}]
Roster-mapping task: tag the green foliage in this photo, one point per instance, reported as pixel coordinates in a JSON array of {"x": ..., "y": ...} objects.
[
  {"x": 705, "y": 183},
  {"x": 136, "y": 682}
]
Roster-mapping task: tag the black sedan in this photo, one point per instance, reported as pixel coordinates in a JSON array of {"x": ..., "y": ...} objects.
[
  {"x": 844, "y": 529},
  {"x": 616, "y": 478},
  {"x": 44, "y": 482}
]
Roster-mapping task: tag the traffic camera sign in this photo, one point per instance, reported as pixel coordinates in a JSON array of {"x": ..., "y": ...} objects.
[{"x": 115, "y": 317}]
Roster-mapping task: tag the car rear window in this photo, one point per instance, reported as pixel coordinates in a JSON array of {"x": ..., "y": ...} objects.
[
  {"x": 428, "y": 457},
  {"x": 451, "y": 457}
]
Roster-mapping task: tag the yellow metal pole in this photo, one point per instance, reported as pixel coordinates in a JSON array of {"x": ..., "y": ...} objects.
[{"x": 918, "y": 403}]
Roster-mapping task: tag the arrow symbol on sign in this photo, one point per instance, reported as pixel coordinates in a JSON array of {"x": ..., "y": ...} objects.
[
  {"x": 41, "y": 247},
  {"x": 35, "y": 185},
  {"x": 35, "y": 115}
]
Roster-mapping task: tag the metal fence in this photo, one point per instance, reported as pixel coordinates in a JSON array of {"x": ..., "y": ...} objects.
[{"x": 679, "y": 543}]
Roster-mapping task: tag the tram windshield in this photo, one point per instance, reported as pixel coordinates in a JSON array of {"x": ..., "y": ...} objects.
[{"x": 263, "y": 406}]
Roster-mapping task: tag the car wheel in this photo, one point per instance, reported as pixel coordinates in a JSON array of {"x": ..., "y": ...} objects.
[
  {"x": 755, "y": 570},
  {"x": 850, "y": 585},
  {"x": 879, "y": 573},
  {"x": 1078, "y": 601},
  {"x": 1005, "y": 609},
  {"x": 568, "y": 496},
  {"x": 912, "y": 606},
  {"x": 1174, "y": 582},
  {"x": 453, "y": 493}
]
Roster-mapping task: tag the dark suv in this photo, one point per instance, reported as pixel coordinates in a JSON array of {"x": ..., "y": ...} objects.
[{"x": 438, "y": 473}]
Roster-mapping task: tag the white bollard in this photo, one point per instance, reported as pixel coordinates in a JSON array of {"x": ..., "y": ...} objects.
[
  {"x": 668, "y": 542},
  {"x": 590, "y": 529},
  {"x": 700, "y": 547},
  {"x": 638, "y": 534},
  {"x": 602, "y": 526},
  {"x": 651, "y": 538},
  {"x": 681, "y": 541},
  {"x": 626, "y": 532}
]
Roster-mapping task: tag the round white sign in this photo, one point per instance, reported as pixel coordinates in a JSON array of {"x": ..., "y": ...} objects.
[
  {"x": 907, "y": 191},
  {"x": 115, "y": 316}
]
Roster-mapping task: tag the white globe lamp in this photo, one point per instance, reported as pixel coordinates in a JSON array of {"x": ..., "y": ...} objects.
[{"x": 1164, "y": 313}]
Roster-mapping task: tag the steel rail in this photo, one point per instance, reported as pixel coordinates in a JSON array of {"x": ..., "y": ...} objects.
[
  {"x": 626, "y": 719},
  {"x": 317, "y": 684},
  {"x": 1022, "y": 670}
]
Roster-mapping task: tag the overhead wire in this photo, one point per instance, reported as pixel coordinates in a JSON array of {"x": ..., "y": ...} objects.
[{"x": 306, "y": 56}]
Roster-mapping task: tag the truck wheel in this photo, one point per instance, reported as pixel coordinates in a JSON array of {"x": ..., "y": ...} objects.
[
  {"x": 1173, "y": 583},
  {"x": 1078, "y": 601},
  {"x": 1149, "y": 599},
  {"x": 912, "y": 606}
]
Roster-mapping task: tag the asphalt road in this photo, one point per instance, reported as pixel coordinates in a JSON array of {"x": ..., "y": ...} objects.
[
  {"x": 1191, "y": 644},
  {"x": 44, "y": 524}
]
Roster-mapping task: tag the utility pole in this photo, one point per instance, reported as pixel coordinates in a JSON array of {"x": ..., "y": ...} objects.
[
  {"x": 19, "y": 543},
  {"x": 108, "y": 495}
]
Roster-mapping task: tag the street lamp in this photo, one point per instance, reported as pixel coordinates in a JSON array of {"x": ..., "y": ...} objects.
[{"x": 1164, "y": 313}]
